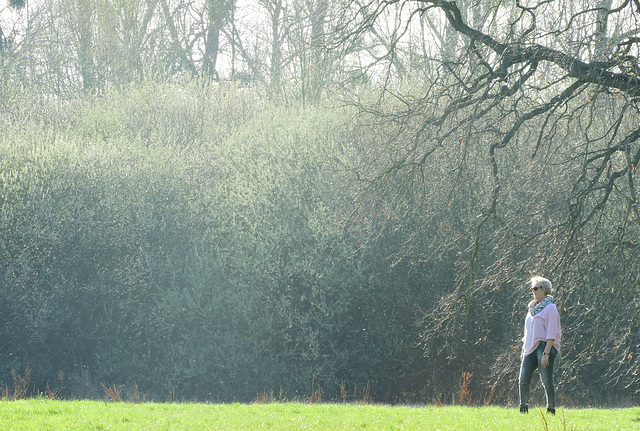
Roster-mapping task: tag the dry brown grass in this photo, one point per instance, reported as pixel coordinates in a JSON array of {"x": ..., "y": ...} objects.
[
  {"x": 465, "y": 392},
  {"x": 113, "y": 393},
  {"x": 20, "y": 386}
]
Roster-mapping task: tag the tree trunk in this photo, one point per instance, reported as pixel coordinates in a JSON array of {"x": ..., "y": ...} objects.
[
  {"x": 601, "y": 42},
  {"x": 275, "y": 70},
  {"x": 85, "y": 45},
  {"x": 218, "y": 11},
  {"x": 184, "y": 59},
  {"x": 317, "y": 61}
]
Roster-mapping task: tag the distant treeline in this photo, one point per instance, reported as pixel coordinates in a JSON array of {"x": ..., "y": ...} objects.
[{"x": 197, "y": 242}]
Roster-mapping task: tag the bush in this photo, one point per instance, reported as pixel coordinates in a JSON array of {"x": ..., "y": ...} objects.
[{"x": 197, "y": 243}]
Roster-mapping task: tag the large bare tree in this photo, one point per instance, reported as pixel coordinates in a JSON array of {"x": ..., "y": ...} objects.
[{"x": 526, "y": 123}]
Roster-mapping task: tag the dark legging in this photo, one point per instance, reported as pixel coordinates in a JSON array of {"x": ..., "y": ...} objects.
[{"x": 529, "y": 365}]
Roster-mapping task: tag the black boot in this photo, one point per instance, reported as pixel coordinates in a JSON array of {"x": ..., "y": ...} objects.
[
  {"x": 524, "y": 408},
  {"x": 550, "y": 410}
]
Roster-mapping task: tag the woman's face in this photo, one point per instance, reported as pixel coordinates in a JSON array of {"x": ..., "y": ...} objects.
[{"x": 538, "y": 293}]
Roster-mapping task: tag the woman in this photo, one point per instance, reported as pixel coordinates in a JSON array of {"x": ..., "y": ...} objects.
[{"x": 541, "y": 343}]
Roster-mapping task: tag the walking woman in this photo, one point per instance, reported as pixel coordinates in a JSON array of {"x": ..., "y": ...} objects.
[{"x": 540, "y": 344}]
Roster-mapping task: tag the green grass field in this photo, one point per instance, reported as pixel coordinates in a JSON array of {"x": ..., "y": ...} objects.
[{"x": 44, "y": 414}]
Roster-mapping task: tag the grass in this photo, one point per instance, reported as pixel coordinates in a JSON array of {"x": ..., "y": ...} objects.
[{"x": 45, "y": 414}]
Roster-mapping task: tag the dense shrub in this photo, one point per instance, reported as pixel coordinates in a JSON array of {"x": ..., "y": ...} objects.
[{"x": 195, "y": 242}]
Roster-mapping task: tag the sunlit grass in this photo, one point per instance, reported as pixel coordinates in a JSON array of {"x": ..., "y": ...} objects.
[{"x": 44, "y": 414}]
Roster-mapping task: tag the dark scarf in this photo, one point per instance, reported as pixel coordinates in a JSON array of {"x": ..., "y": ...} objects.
[{"x": 535, "y": 308}]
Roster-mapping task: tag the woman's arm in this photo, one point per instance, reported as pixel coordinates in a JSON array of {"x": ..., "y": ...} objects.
[
  {"x": 545, "y": 355},
  {"x": 553, "y": 329}
]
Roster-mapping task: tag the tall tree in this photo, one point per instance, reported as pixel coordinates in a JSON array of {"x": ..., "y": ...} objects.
[
  {"x": 275, "y": 11},
  {"x": 181, "y": 52},
  {"x": 218, "y": 12},
  {"x": 540, "y": 103},
  {"x": 84, "y": 34},
  {"x": 15, "y": 5},
  {"x": 7, "y": 38}
]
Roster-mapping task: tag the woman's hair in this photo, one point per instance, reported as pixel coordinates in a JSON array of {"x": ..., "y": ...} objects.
[{"x": 543, "y": 283}]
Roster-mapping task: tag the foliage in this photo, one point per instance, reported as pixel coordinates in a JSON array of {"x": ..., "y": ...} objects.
[{"x": 143, "y": 242}]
